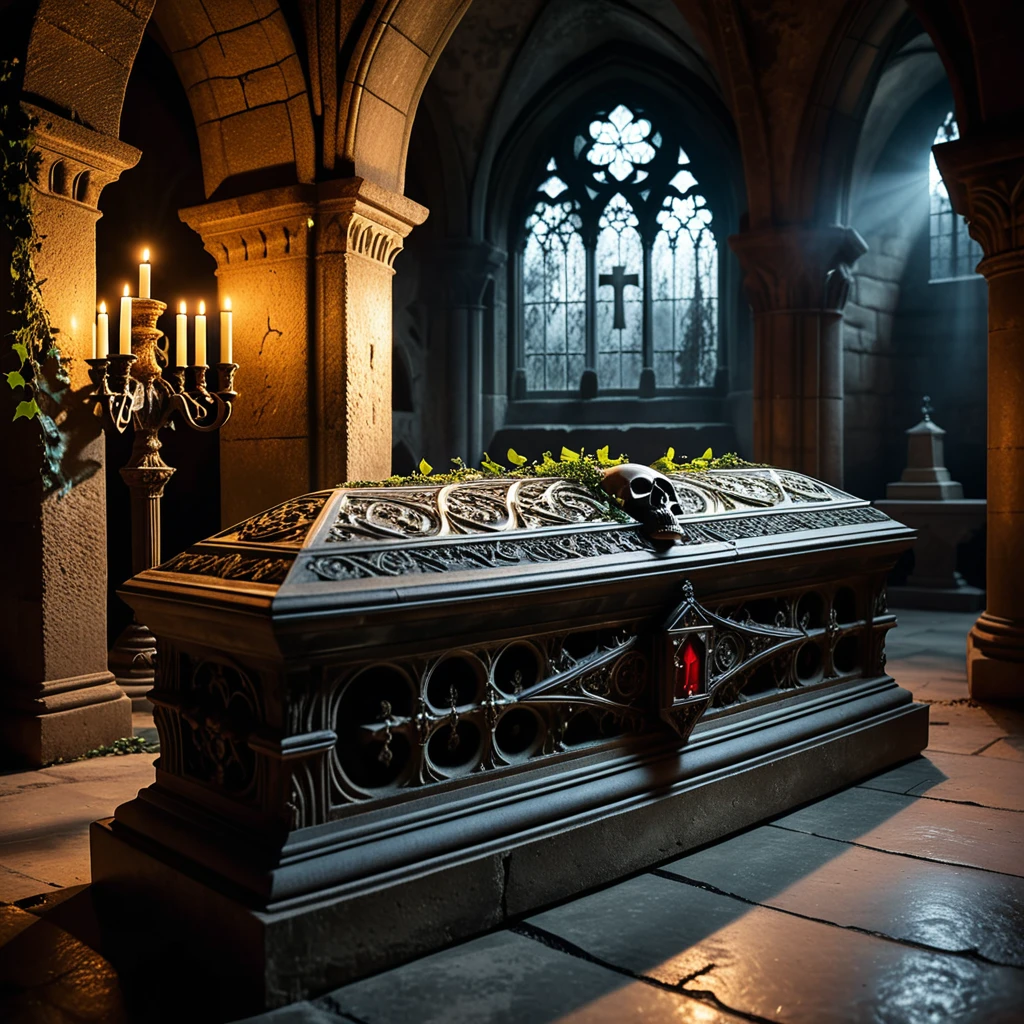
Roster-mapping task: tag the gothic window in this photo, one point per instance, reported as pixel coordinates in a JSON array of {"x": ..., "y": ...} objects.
[
  {"x": 954, "y": 254},
  {"x": 619, "y": 265}
]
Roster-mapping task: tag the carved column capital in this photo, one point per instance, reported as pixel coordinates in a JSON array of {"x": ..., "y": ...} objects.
[
  {"x": 77, "y": 163},
  {"x": 798, "y": 268},
  {"x": 357, "y": 216},
  {"x": 984, "y": 175},
  {"x": 256, "y": 229}
]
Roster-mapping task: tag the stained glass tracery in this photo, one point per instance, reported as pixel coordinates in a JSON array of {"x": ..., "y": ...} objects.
[
  {"x": 626, "y": 202},
  {"x": 954, "y": 254}
]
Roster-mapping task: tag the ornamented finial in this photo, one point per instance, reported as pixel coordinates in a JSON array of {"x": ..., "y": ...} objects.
[{"x": 926, "y": 409}]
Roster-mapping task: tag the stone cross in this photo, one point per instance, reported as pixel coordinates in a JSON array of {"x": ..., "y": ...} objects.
[{"x": 618, "y": 279}]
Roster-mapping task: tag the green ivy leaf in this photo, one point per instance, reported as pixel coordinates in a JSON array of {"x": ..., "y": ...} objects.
[
  {"x": 425, "y": 468},
  {"x": 27, "y": 409},
  {"x": 492, "y": 467},
  {"x": 15, "y": 379},
  {"x": 515, "y": 458},
  {"x": 569, "y": 456},
  {"x": 21, "y": 351},
  {"x": 707, "y": 456}
]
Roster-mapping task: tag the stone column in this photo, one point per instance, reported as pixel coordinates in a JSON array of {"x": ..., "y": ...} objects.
[
  {"x": 460, "y": 272},
  {"x": 797, "y": 280},
  {"x": 308, "y": 269},
  {"x": 57, "y": 697},
  {"x": 985, "y": 178},
  {"x": 360, "y": 231},
  {"x": 262, "y": 245}
]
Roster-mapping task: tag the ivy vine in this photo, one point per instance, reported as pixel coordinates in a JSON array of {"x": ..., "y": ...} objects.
[
  {"x": 40, "y": 379},
  {"x": 584, "y": 469}
]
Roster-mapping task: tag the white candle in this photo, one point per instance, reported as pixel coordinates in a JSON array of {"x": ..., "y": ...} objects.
[
  {"x": 225, "y": 332},
  {"x": 144, "y": 276},
  {"x": 201, "y": 335},
  {"x": 125, "y": 326},
  {"x": 181, "y": 337},
  {"x": 102, "y": 332}
]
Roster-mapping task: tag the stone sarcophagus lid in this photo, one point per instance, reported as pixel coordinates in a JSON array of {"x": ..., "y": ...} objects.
[{"x": 393, "y": 717}]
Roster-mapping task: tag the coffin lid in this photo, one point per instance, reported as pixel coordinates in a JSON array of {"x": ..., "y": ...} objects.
[{"x": 366, "y": 538}]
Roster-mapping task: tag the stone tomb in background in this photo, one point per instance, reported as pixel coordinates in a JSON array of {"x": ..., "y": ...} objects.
[{"x": 393, "y": 718}]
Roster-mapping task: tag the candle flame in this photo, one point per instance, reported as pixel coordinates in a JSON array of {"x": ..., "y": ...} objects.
[
  {"x": 126, "y": 291},
  {"x": 103, "y": 307},
  {"x": 202, "y": 308},
  {"x": 145, "y": 255},
  {"x": 227, "y": 302},
  {"x": 181, "y": 306}
]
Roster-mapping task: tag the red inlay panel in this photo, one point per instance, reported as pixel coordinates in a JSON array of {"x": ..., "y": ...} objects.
[{"x": 688, "y": 670}]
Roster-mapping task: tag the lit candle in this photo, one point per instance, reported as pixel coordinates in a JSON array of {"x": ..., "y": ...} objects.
[
  {"x": 225, "y": 332},
  {"x": 102, "y": 332},
  {"x": 144, "y": 276},
  {"x": 181, "y": 337},
  {"x": 201, "y": 335},
  {"x": 125, "y": 326}
]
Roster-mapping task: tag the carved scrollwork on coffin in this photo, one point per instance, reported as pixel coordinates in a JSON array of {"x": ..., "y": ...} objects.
[
  {"x": 221, "y": 709},
  {"x": 287, "y": 523},
  {"x": 392, "y": 514},
  {"x": 235, "y": 566},
  {"x": 477, "y": 508},
  {"x": 489, "y": 554},
  {"x": 745, "y": 527},
  {"x": 461, "y": 713},
  {"x": 803, "y": 488},
  {"x": 555, "y": 502}
]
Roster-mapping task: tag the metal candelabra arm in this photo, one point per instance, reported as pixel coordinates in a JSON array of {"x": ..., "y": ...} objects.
[{"x": 201, "y": 408}]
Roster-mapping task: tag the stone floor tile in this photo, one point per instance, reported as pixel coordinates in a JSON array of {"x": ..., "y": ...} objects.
[
  {"x": 15, "y": 886},
  {"x": 296, "y": 1013},
  {"x": 962, "y": 729},
  {"x": 505, "y": 978},
  {"x": 989, "y": 782},
  {"x": 46, "y": 975},
  {"x": 948, "y": 908},
  {"x": 775, "y": 966},
  {"x": 60, "y": 858},
  {"x": 981, "y": 837},
  {"x": 1009, "y": 748},
  {"x": 125, "y": 771}
]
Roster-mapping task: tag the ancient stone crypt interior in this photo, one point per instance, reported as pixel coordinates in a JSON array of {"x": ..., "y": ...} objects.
[{"x": 513, "y": 511}]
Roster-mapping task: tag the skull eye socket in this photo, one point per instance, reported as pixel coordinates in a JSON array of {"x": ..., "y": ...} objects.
[{"x": 641, "y": 487}]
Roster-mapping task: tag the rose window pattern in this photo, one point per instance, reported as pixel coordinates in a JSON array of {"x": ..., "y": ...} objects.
[
  {"x": 954, "y": 254},
  {"x": 619, "y": 263}
]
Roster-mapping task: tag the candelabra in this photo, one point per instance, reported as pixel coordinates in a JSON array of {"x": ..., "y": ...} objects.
[{"x": 133, "y": 389}]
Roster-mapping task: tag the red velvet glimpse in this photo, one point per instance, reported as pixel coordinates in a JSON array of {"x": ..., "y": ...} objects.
[{"x": 688, "y": 671}]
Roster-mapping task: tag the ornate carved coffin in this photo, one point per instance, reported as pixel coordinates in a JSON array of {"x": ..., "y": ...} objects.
[{"x": 392, "y": 717}]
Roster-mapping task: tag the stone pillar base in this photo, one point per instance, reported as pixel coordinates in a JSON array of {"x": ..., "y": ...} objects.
[
  {"x": 64, "y": 719},
  {"x": 995, "y": 659}
]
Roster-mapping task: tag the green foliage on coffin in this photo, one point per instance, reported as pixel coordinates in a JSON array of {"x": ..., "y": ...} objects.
[{"x": 581, "y": 468}]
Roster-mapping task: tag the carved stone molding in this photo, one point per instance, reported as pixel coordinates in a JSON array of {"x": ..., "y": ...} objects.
[
  {"x": 985, "y": 180},
  {"x": 77, "y": 163},
  {"x": 362, "y": 218},
  {"x": 796, "y": 268},
  {"x": 258, "y": 228}
]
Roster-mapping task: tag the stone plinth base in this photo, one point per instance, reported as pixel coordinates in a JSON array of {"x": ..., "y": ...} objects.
[
  {"x": 66, "y": 718},
  {"x": 357, "y": 899},
  {"x": 995, "y": 659},
  {"x": 962, "y": 598},
  {"x": 941, "y": 526}
]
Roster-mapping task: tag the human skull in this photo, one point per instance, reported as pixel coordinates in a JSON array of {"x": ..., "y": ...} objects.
[{"x": 649, "y": 497}]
